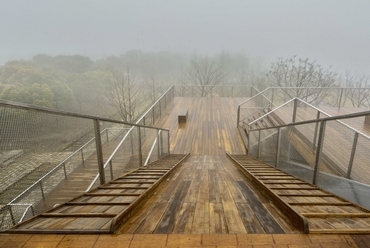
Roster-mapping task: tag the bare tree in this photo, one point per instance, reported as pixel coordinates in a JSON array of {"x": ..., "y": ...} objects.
[
  {"x": 205, "y": 74},
  {"x": 127, "y": 96},
  {"x": 357, "y": 89},
  {"x": 305, "y": 78}
]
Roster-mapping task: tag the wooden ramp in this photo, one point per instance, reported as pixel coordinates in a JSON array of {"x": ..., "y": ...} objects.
[
  {"x": 308, "y": 207},
  {"x": 104, "y": 209}
]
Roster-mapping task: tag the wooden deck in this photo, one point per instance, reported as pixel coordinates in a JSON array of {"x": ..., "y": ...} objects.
[
  {"x": 208, "y": 201},
  {"x": 104, "y": 209},
  {"x": 210, "y": 128},
  {"x": 310, "y": 209}
]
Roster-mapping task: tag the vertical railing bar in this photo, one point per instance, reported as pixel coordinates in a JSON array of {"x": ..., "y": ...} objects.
[
  {"x": 168, "y": 143},
  {"x": 316, "y": 130},
  {"x": 295, "y": 110},
  {"x": 11, "y": 214},
  {"x": 158, "y": 143},
  {"x": 65, "y": 171},
  {"x": 353, "y": 151},
  {"x": 153, "y": 115},
  {"x": 111, "y": 169},
  {"x": 82, "y": 157},
  {"x": 99, "y": 151},
  {"x": 42, "y": 190},
  {"x": 139, "y": 147},
  {"x": 340, "y": 98},
  {"x": 238, "y": 117},
  {"x": 320, "y": 145},
  {"x": 259, "y": 144},
  {"x": 277, "y": 148},
  {"x": 132, "y": 142},
  {"x": 106, "y": 134},
  {"x": 249, "y": 139}
]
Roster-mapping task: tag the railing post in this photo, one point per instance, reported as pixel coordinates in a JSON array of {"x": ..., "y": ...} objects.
[
  {"x": 278, "y": 148},
  {"x": 106, "y": 134},
  {"x": 295, "y": 110},
  {"x": 132, "y": 142},
  {"x": 158, "y": 142},
  {"x": 42, "y": 190},
  {"x": 168, "y": 143},
  {"x": 139, "y": 147},
  {"x": 11, "y": 214},
  {"x": 82, "y": 157},
  {"x": 340, "y": 98},
  {"x": 111, "y": 169},
  {"x": 153, "y": 115},
  {"x": 65, "y": 171},
  {"x": 99, "y": 151},
  {"x": 272, "y": 100},
  {"x": 320, "y": 145},
  {"x": 316, "y": 130},
  {"x": 238, "y": 117},
  {"x": 259, "y": 144},
  {"x": 350, "y": 164}
]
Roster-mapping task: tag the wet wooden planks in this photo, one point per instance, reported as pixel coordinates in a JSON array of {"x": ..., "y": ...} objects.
[
  {"x": 104, "y": 209},
  {"x": 210, "y": 128},
  {"x": 310, "y": 208},
  {"x": 208, "y": 195}
]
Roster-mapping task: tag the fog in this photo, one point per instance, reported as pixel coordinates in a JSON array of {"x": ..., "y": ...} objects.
[{"x": 335, "y": 33}]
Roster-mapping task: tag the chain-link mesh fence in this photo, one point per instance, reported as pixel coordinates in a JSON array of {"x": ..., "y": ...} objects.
[
  {"x": 42, "y": 149},
  {"x": 337, "y": 151}
]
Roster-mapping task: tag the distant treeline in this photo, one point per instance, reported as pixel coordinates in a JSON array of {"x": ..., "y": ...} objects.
[
  {"x": 80, "y": 84},
  {"x": 129, "y": 83}
]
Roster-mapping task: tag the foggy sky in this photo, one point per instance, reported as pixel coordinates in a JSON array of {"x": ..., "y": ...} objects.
[{"x": 332, "y": 32}]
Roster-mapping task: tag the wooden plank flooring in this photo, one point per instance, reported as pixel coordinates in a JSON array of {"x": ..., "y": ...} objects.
[
  {"x": 104, "y": 209},
  {"x": 310, "y": 208},
  {"x": 210, "y": 128},
  {"x": 208, "y": 194}
]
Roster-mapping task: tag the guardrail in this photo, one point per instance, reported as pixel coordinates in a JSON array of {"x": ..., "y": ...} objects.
[
  {"x": 10, "y": 214},
  {"x": 323, "y": 150},
  {"x": 272, "y": 97}
]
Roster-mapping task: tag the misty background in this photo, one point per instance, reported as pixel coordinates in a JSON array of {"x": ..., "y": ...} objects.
[
  {"x": 335, "y": 32},
  {"x": 96, "y": 56}
]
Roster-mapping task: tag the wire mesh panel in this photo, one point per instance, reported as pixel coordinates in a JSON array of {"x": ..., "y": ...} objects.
[
  {"x": 360, "y": 170},
  {"x": 268, "y": 146},
  {"x": 290, "y": 157}
]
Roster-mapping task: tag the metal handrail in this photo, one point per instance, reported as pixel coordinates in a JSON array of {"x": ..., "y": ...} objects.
[
  {"x": 70, "y": 114},
  {"x": 331, "y": 118},
  {"x": 154, "y": 104},
  {"x": 109, "y": 159},
  {"x": 124, "y": 138},
  {"x": 52, "y": 170}
]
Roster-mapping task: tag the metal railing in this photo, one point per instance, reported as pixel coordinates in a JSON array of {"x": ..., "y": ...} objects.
[
  {"x": 215, "y": 91},
  {"x": 321, "y": 149},
  {"x": 43, "y": 122},
  {"x": 272, "y": 97}
]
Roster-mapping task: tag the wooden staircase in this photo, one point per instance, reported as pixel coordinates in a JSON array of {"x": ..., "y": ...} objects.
[
  {"x": 105, "y": 209},
  {"x": 309, "y": 208}
]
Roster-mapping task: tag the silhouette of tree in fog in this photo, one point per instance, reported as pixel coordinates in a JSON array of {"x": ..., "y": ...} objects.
[
  {"x": 204, "y": 74},
  {"x": 305, "y": 77},
  {"x": 357, "y": 89},
  {"x": 126, "y": 95}
]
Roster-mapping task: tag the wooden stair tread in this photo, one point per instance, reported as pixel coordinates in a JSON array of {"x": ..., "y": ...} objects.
[
  {"x": 293, "y": 197},
  {"x": 88, "y": 214}
]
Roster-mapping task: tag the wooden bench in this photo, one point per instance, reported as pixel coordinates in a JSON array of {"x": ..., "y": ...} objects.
[{"x": 183, "y": 115}]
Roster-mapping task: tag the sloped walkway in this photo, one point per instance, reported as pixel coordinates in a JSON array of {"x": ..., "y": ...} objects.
[
  {"x": 309, "y": 208},
  {"x": 104, "y": 209}
]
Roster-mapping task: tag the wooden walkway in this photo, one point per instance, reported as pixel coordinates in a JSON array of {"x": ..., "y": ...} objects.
[
  {"x": 206, "y": 202},
  {"x": 210, "y": 128},
  {"x": 310, "y": 209},
  {"x": 104, "y": 209}
]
